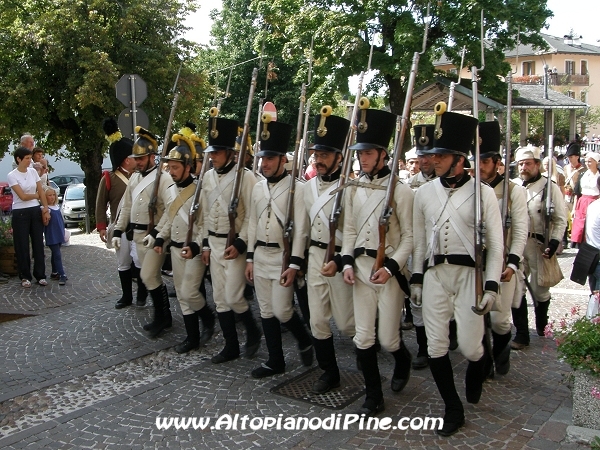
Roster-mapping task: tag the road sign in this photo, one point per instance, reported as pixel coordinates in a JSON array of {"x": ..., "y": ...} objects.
[
  {"x": 269, "y": 108},
  {"x": 126, "y": 121},
  {"x": 131, "y": 89}
]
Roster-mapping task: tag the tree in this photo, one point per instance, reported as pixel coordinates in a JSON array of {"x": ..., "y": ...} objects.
[
  {"x": 60, "y": 61},
  {"x": 344, "y": 31}
]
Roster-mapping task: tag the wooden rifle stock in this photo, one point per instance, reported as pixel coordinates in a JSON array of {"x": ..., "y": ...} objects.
[
  {"x": 288, "y": 228},
  {"x": 239, "y": 170},
  {"x": 336, "y": 211},
  {"x": 166, "y": 140}
]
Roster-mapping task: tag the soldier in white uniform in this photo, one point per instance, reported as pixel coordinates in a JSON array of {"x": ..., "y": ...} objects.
[
  {"x": 188, "y": 268},
  {"x": 444, "y": 221},
  {"x": 328, "y": 295},
  {"x": 530, "y": 177},
  {"x": 135, "y": 217},
  {"x": 379, "y": 293},
  {"x": 273, "y": 283},
  {"x": 423, "y": 141},
  {"x": 511, "y": 285},
  {"x": 227, "y": 265}
]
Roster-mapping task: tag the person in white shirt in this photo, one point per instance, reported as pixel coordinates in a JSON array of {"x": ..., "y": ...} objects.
[
  {"x": 592, "y": 236},
  {"x": 27, "y": 220}
]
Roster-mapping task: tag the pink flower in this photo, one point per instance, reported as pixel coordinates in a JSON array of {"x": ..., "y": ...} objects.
[
  {"x": 596, "y": 320},
  {"x": 574, "y": 310},
  {"x": 548, "y": 331},
  {"x": 595, "y": 393},
  {"x": 563, "y": 323}
]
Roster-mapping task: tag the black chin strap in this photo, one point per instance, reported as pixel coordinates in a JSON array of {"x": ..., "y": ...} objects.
[{"x": 454, "y": 179}]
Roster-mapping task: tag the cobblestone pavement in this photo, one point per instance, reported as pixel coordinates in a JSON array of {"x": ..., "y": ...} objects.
[{"x": 80, "y": 374}]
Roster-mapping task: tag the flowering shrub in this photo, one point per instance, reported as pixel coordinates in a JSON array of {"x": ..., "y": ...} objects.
[
  {"x": 578, "y": 340},
  {"x": 6, "y": 233}
]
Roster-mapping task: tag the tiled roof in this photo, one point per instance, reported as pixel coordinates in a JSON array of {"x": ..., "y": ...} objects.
[{"x": 531, "y": 96}]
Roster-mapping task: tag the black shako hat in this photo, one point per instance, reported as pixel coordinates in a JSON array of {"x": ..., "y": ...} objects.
[
  {"x": 489, "y": 139},
  {"x": 574, "y": 149},
  {"x": 423, "y": 138},
  {"x": 453, "y": 134},
  {"x": 330, "y": 131},
  {"x": 120, "y": 147},
  {"x": 274, "y": 137},
  {"x": 221, "y": 134},
  {"x": 374, "y": 129}
]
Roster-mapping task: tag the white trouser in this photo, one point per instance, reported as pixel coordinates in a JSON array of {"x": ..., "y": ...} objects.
[
  {"x": 228, "y": 278},
  {"x": 501, "y": 318},
  {"x": 273, "y": 299},
  {"x": 327, "y": 297},
  {"x": 187, "y": 276},
  {"x": 150, "y": 262},
  {"x": 369, "y": 299},
  {"x": 450, "y": 290},
  {"x": 126, "y": 254}
]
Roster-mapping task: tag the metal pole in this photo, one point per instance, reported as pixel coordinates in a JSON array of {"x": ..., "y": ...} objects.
[{"x": 133, "y": 105}]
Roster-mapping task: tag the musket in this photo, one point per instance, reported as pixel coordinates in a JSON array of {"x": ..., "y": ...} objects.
[
  {"x": 336, "y": 210},
  {"x": 479, "y": 224},
  {"x": 387, "y": 210},
  {"x": 452, "y": 83},
  {"x": 196, "y": 199},
  {"x": 549, "y": 205},
  {"x": 239, "y": 169},
  {"x": 304, "y": 141},
  {"x": 166, "y": 140},
  {"x": 506, "y": 220},
  {"x": 288, "y": 227}
]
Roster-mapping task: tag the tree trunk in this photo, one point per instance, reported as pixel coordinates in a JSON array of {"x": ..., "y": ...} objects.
[{"x": 91, "y": 164}]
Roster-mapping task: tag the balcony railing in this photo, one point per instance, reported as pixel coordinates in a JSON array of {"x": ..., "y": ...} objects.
[{"x": 554, "y": 79}]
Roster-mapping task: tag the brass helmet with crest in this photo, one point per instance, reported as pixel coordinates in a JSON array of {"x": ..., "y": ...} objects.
[
  {"x": 184, "y": 151},
  {"x": 145, "y": 144}
]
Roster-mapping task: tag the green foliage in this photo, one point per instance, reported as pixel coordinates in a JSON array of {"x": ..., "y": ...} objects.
[
  {"x": 6, "y": 232},
  {"x": 578, "y": 340}
]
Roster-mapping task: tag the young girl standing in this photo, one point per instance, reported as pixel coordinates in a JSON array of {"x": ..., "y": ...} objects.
[{"x": 55, "y": 236}]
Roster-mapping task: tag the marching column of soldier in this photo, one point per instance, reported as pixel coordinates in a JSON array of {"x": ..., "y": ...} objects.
[{"x": 429, "y": 247}]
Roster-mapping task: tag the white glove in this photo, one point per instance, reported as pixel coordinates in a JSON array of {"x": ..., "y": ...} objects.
[
  {"x": 149, "y": 241},
  {"x": 487, "y": 303},
  {"x": 416, "y": 295},
  {"x": 116, "y": 242}
]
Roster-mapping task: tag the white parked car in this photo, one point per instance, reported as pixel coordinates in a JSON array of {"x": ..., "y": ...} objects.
[{"x": 73, "y": 204}]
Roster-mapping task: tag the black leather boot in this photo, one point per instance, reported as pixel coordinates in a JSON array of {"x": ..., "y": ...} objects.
[
  {"x": 207, "y": 316},
  {"x": 475, "y": 378},
  {"x": 521, "y": 322},
  {"x": 253, "y": 333},
  {"x": 157, "y": 300},
  {"x": 454, "y": 414},
  {"x": 402, "y": 368},
  {"x": 232, "y": 345},
  {"x": 142, "y": 292},
  {"x": 126, "y": 284},
  {"x": 541, "y": 317},
  {"x": 276, "y": 361},
  {"x": 325, "y": 352},
  {"x": 302, "y": 297},
  {"x": 166, "y": 319},
  {"x": 501, "y": 351},
  {"x": 422, "y": 359},
  {"x": 374, "y": 403},
  {"x": 192, "y": 327},
  {"x": 296, "y": 326},
  {"x": 453, "y": 335}
]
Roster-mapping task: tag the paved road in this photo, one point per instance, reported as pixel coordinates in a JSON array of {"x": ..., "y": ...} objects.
[{"x": 79, "y": 374}]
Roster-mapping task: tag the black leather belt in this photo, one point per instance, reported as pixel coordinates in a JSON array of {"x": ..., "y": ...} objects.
[
  {"x": 218, "y": 235},
  {"x": 176, "y": 244},
  {"x": 365, "y": 251},
  {"x": 456, "y": 260},
  {"x": 323, "y": 245},
  {"x": 138, "y": 226},
  {"x": 266, "y": 244},
  {"x": 539, "y": 237}
]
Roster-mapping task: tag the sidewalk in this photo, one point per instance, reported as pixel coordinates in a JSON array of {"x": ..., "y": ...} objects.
[{"x": 80, "y": 374}]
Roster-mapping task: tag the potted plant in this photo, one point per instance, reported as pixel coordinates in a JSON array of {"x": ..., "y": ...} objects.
[
  {"x": 8, "y": 258},
  {"x": 578, "y": 341}
]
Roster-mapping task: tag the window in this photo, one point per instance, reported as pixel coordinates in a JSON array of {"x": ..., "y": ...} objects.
[
  {"x": 529, "y": 68},
  {"x": 584, "y": 69},
  {"x": 571, "y": 94},
  {"x": 570, "y": 67},
  {"x": 453, "y": 71}
]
